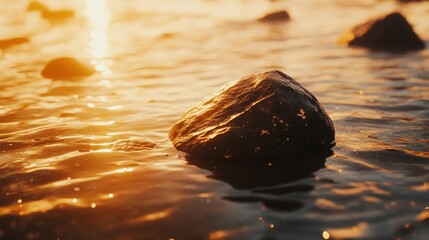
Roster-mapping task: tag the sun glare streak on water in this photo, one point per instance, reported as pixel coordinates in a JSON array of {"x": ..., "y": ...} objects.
[{"x": 98, "y": 15}]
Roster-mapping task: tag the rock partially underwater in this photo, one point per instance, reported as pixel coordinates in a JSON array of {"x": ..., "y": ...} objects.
[
  {"x": 278, "y": 16},
  {"x": 259, "y": 116},
  {"x": 66, "y": 68},
  {"x": 391, "y": 32}
]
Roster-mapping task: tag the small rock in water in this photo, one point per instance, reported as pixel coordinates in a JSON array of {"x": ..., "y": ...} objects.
[
  {"x": 46, "y": 13},
  {"x": 262, "y": 115},
  {"x": 6, "y": 43},
  {"x": 64, "y": 68},
  {"x": 278, "y": 16},
  {"x": 391, "y": 32},
  {"x": 36, "y": 6}
]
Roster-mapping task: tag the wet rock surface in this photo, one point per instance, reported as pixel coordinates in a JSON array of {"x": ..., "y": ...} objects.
[
  {"x": 65, "y": 68},
  {"x": 278, "y": 16},
  {"x": 259, "y": 116},
  {"x": 391, "y": 32}
]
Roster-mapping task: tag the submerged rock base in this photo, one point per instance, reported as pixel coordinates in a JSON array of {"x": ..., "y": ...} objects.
[{"x": 259, "y": 116}]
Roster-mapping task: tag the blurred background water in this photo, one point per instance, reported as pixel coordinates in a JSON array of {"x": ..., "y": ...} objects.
[{"x": 90, "y": 159}]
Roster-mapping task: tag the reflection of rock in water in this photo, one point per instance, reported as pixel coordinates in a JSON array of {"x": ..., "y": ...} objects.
[
  {"x": 265, "y": 179},
  {"x": 284, "y": 205},
  {"x": 261, "y": 173}
]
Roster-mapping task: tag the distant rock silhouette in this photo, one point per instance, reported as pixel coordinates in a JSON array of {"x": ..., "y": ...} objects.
[
  {"x": 408, "y": 1},
  {"x": 259, "y": 116},
  {"x": 278, "y": 16},
  {"x": 64, "y": 68},
  {"x": 46, "y": 13},
  {"x": 391, "y": 32},
  {"x": 6, "y": 43}
]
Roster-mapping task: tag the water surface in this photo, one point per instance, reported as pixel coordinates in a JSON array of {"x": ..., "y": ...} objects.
[{"x": 90, "y": 159}]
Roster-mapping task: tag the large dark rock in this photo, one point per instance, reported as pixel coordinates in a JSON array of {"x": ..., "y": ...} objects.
[
  {"x": 66, "y": 68},
  {"x": 259, "y": 116},
  {"x": 391, "y": 32}
]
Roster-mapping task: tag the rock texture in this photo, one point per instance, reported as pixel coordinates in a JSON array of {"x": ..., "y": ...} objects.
[
  {"x": 259, "y": 116},
  {"x": 278, "y": 16},
  {"x": 65, "y": 68},
  {"x": 391, "y": 32}
]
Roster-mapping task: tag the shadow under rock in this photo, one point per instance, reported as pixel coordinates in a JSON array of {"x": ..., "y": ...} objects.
[
  {"x": 252, "y": 174},
  {"x": 266, "y": 179}
]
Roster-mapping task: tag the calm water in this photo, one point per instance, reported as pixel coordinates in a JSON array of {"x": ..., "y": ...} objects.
[{"x": 90, "y": 158}]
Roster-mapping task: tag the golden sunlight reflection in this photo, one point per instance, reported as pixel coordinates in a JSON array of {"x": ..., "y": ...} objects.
[
  {"x": 152, "y": 216},
  {"x": 104, "y": 123},
  {"x": 326, "y": 235},
  {"x": 423, "y": 216},
  {"x": 99, "y": 21},
  {"x": 358, "y": 188},
  {"x": 68, "y": 181},
  {"x": 115, "y": 107},
  {"x": 356, "y": 231},
  {"x": 109, "y": 196},
  {"x": 117, "y": 171},
  {"x": 421, "y": 188},
  {"x": 125, "y": 169},
  {"x": 328, "y": 204},
  {"x": 228, "y": 233},
  {"x": 43, "y": 205}
]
